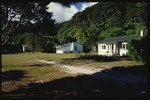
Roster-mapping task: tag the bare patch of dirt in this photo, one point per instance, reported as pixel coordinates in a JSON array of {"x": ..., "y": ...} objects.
[{"x": 73, "y": 69}]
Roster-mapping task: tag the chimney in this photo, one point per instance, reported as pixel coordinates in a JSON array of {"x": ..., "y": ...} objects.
[{"x": 141, "y": 33}]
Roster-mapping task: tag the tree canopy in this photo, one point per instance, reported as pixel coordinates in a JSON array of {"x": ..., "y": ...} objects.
[
  {"x": 104, "y": 20},
  {"x": 16, "y": 14}
]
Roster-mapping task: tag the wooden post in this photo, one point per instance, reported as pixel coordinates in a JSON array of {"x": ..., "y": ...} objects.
[{"x": 115, "y": 49}]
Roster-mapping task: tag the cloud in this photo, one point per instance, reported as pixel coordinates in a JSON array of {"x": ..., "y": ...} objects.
[
  {"x": 88, "y": 4},
  {"x": 61, "y": 13}
]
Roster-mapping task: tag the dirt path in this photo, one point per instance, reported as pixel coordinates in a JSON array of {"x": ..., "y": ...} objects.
[
  {"x": 110, "y": 75},
  {"x": 72, "y": 69}
]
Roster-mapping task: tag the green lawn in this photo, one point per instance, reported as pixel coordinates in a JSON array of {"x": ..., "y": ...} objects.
[
  {"x": 26, "y": 59},
  {"x": 32, "y": 70},
  {"x": 20, "y": 69}
]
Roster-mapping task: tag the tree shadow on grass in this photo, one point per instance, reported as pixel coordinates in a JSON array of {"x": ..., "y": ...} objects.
[
  {"x": 41, "y": 65},
  {"x": 118, "y": 82},
  {"x": 95, "y": 58},
  {"x": 12, "y": 75}
]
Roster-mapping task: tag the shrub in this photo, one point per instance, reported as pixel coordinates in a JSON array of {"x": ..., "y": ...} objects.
[
  {"x": 134, "y": 47},
  {"x": 98, "y": 57}
]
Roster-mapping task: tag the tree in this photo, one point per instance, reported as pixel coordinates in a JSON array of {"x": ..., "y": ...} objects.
[
  {"x": 45, "y": 43},
  {"x": 105, "y": 20},
  {"x": 138, "y": 52},
  {"x": 30, "y": 41},
  {"x": 15, "y": 13}
]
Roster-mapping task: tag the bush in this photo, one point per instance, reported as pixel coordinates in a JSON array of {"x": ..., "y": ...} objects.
[
  {"x": 98, "y": 57},
  {"x": 134, "y": 47}
]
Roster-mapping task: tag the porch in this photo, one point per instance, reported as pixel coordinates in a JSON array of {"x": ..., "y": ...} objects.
[{"x": 112, "y": 49}]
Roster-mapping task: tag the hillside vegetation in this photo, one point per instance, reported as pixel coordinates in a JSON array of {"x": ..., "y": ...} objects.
[{"x": 104, "y": 20}]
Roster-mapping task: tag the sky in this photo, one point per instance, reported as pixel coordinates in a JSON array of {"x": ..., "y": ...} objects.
[{"x": 62, "y": 13}]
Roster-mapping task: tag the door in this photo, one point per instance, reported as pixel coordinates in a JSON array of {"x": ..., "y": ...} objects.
[{"x": 118, "y": 49}]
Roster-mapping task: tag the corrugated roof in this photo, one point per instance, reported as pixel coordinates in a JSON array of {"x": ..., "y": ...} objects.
[{"x": 120, "y": 39}]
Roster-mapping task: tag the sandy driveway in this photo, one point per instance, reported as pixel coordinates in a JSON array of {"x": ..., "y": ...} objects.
[
  {"x": 96, "y": 73},
  {"x": 73, "y": 69}
]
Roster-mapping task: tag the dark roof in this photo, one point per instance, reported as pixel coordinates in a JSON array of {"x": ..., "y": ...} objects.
[{"x": 121, "y": 39}]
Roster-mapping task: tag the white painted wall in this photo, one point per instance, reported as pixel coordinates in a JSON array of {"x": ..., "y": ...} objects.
[
  {"x": 124, "y": 51},
  {"x": 71, "y": 48},
  {"x": 59, "y": 51},
  {"x": 102, "y": 51},
  {"x": 109, "y": 52},
  {"x": 79, "y": 47},
  {"x": 66, "y": 49}
]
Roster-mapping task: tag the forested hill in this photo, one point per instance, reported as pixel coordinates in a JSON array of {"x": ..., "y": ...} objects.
[{"x": 104, "y": 20}]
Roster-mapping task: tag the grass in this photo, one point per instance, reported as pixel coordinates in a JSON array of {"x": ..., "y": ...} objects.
[
  {"x": 94, "y": 60},
  {"x": 33, "y": 71},
  {"x": 28, "y": 59},
  {"x": 20, "y": 69},
  {"x": 25, "y": 59},
  {"x": 31, "y": 74}
]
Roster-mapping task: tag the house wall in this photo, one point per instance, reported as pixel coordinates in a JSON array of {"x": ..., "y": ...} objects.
[
  {"x": 25, "y": 48},
  {"x": 72, "y": 47},
  {"x": 123, "y": 49},
  {"x": 66, "y": 48},
  {"x": 77, "y": 47},
  {"x": 112, "y": 49},
  {"x": 117, "y": 49},
  {"x": 63, "y": 49},
  {"x": 107, "y": 50},
  {"x": 59, "y": 51},
  {"x": 101, "y": 50}
]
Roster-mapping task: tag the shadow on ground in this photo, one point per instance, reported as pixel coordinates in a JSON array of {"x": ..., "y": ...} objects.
[
  {"x": 118, "y": 82},
  {"x": 40, "y": 65},
  {"x": 13, "y": 75},
  {"x": 95, "y": 58}
]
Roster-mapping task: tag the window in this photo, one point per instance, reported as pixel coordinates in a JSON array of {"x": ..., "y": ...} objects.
[
  {"x": 123, "y": 46},
  {"x": 75, "y": 48},
  {"x": 103, "y": 47},
  {"x": 58, "y": 48}
]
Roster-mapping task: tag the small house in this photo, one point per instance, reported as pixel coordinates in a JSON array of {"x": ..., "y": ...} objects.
[
  {"x": 116, "y": 46},
  {"x": 25, "y": 48},
  {"x": 73, "y": 47}
]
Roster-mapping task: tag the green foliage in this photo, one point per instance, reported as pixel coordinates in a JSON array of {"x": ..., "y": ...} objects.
[
  {"x": 30, "y": 41},
  {"x": 98, "y": 57},
  {"x": 104, "y": 20},
  {"x": 14, "y": 45},
  {"x": 41, "y": 42},
  {"x": 45, "y": 44},
  {"x": 130, "y": 31},
  {"x": 112, "y": 32},
  {"x": 135, "y": 50},
  {"x": 140, "y": 27}
]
